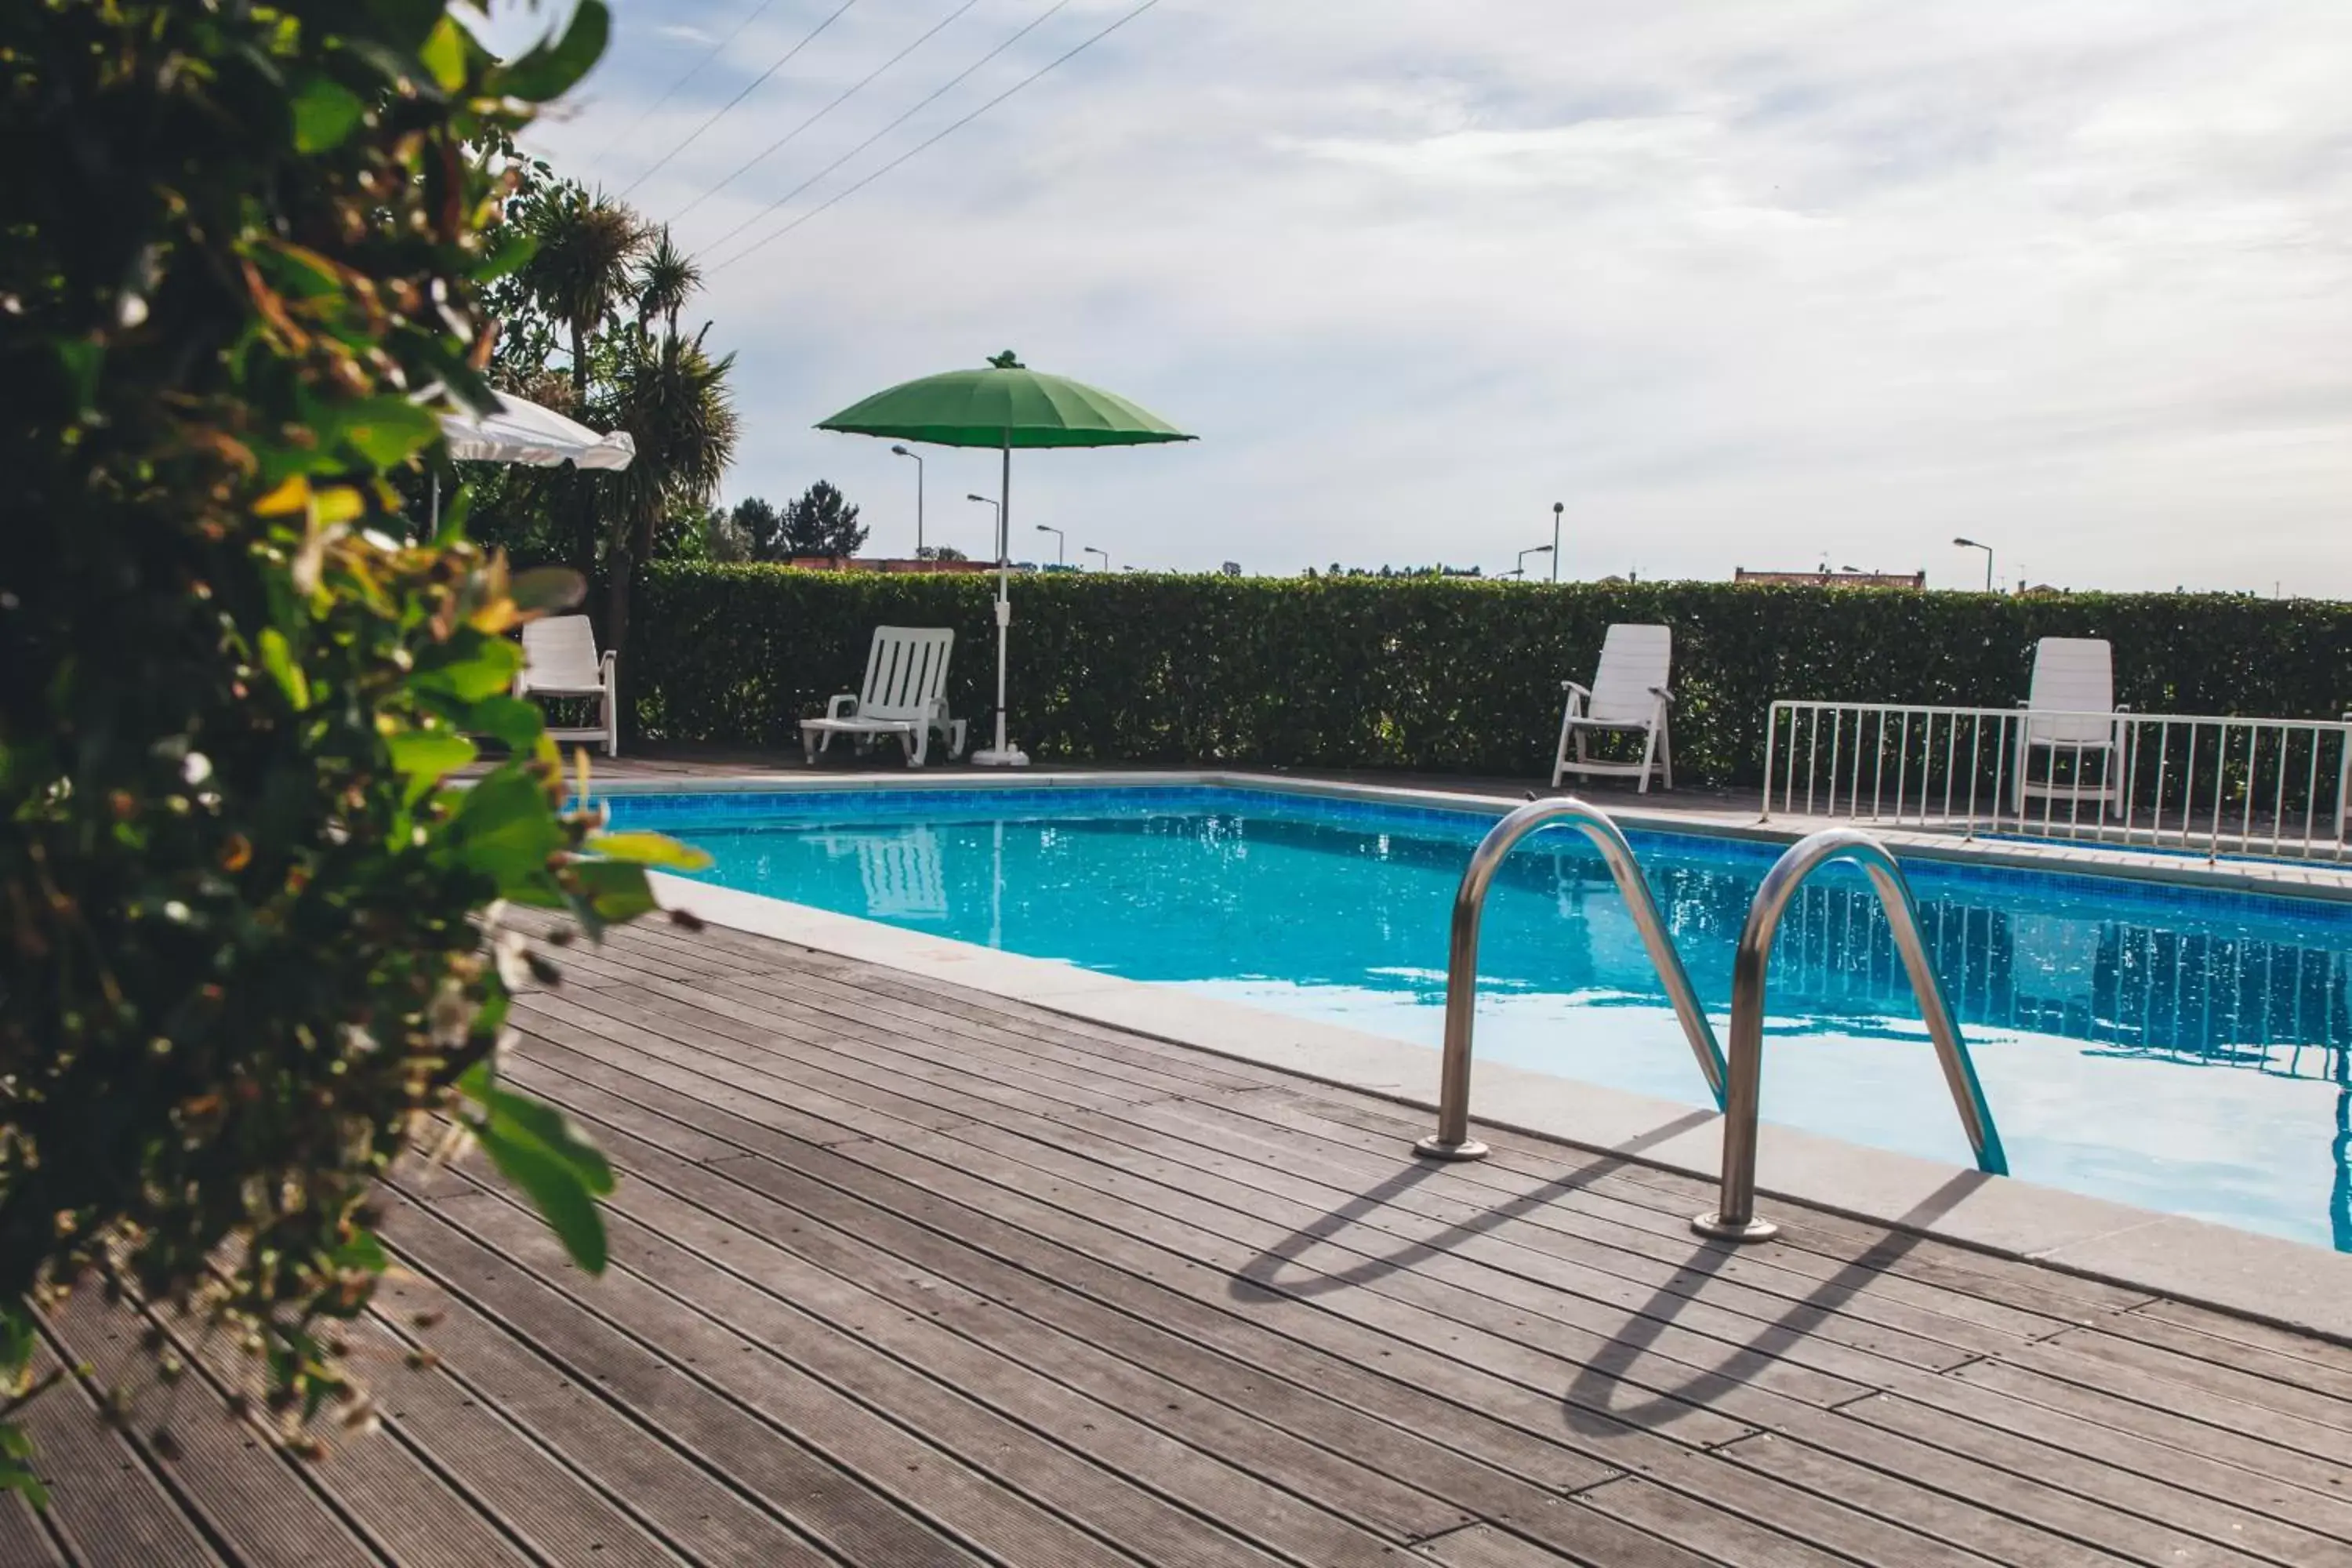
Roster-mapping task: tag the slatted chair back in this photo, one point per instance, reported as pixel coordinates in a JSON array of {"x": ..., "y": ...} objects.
[
  {"x": 2071, "y": 675},
  {"x": 906, "y": 673},
  {"x": 559, "y": 654},
  {"x": 1635, "y": 661}
]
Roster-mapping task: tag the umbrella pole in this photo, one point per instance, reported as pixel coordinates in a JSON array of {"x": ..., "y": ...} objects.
[{"x": 1004, "y": 753}]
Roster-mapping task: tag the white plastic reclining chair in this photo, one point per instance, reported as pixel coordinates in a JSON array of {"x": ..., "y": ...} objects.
[
  {"x": 905, "y": 696},
  {"x": 560, "y": 659},
  {"x": 2069, "y": 711},
  {"x": 1628, "y": 693}
]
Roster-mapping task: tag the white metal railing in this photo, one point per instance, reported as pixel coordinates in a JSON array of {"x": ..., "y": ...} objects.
[{"x": 2209, "y": 784}]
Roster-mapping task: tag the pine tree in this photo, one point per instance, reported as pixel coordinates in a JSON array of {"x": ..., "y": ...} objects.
[{"x": 822, "y": 523}]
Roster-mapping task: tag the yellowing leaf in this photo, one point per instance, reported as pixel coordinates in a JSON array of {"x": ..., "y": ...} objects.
[
  {"x": 292, "y": 496},
  {"x": 444, "y": 54},
  {"x": 339, "y": 503}
]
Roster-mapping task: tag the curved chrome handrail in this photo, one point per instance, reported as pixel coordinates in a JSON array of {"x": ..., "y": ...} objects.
[
  {"x": 1452, "y": 1140},
  {"x": 1734, "y": 1218}
]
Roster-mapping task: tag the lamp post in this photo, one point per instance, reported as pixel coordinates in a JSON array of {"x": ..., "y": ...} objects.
[
  {"x": 1556, "y": 508},
  {"x": 1058, "y": 540},
  {"x": 919, "y": 497},
  {"x": 1090, "y": 550},
  {"x": 1520, "y": 571},
  {"x": 1972, "y": 544},
  {"x": 1004, "y": 545}
]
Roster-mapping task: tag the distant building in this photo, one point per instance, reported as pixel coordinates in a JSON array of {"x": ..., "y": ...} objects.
[
  {"x": 1825, "y": 578},
  {"x": 1233, "y": 569}
]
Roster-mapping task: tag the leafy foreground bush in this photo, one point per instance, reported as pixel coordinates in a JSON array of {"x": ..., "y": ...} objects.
[
  {"x": 1439, "y": 675},
  {"x": 243, "y": 965}
]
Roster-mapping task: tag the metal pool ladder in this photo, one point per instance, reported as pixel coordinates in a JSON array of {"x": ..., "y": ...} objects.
[
  {"x": 1737, "y": 1087},
  {"x": 1452, "y": 1140},
  {"x": 1734, "y": 1216}
]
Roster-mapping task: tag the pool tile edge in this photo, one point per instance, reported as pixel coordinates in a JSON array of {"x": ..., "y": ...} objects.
[{"x": 2285, "y": 1283}]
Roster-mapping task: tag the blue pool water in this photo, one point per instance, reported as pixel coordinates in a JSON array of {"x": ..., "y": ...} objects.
[{"x": 2183, "y": 1049}]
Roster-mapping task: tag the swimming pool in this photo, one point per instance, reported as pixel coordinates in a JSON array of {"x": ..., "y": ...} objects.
[{"x": 2181, "y": 1049}]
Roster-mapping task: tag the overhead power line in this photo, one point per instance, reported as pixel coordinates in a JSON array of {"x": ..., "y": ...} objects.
[
  {"x": 846, "y": 96},
  {"x": 721, "y": 112},
  {"x": 928, "y": 99},
  {"x": 691, "y": 72},
  {"x": 935, "y": 137}
]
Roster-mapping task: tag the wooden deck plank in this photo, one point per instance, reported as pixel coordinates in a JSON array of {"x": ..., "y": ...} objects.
[
  {"x": 850, "y": 1148},
  {"x": 610, "y": 1450},
  {"x": 1728, "y": 1489},
  {"x": 904, "y": 1433},
  {"x": 246, "y": 1493},
  {"x": 1601, "y": 1314},
  {"x": 24, "y": 1544},
  {"x": 1394, "y": 1450},
  {"x": 105, "y": 1502},
  {"x": 799, "y": 1484},
  {"x": 543, "y": 1503},
  {"x": 407, "y": 1511},
  {"x": 780, "y": 1033},
  {"x": 906, "y": 1274}
]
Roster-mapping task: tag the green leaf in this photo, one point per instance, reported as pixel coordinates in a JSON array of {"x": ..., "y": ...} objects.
[
  {"x": 361, "y": 1251},
  {"x": 506, "y": 829},
  {"x": 512, "y": 720},
  {"x": 277, "y": 658},
  {"x": 649, "y": 850},
  {"x": 514, "y": 244},
  {"x": 325, "y": 113},
  {"x": 615, "y": 890},
  {"x": 404, "y": 23},
  {"x": 538, "y": 1149},
  {"x": 444, "y": 54},
  {"x": 470, "y": 667},
  {"x": 552, "y": 1127},
  {"x": 424, "y": 757},
  {"x": 385, "y": 430},
  {"x": 544, "y": 588},
  {"x": 550, "y": 72},
  {"x": 79, "y": 359}
]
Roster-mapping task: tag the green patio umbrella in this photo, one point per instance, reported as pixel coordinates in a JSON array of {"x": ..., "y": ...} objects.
[{"x": 1005, "y": 405}]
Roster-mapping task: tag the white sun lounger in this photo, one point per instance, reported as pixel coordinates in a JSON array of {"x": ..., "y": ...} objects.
[
  {"x": 1629, "y": 693},
  {"x": 560, "y": 659},
  {"x": 905, "y": 696},
  {"x": 2069, "y": 712}
]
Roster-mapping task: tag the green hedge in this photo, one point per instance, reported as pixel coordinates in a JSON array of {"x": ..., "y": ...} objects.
[{"x": 1440, "y": 675}]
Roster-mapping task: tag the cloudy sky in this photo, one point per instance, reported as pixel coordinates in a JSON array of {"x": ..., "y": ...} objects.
[{"x": 1762, "y": 285}]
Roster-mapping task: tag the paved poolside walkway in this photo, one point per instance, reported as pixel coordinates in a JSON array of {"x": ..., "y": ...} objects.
[{"x": 905, "y": 1274}]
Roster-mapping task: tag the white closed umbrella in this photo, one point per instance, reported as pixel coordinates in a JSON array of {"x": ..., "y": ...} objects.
[{"x": 518, "y": 430}]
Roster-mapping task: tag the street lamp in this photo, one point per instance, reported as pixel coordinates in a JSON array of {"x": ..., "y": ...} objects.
[
  {"x": 1004, "y": 545},
  {"x": 1090, "y": 550},
  {"x": 919, "y": 497},
  {"x": 1972, "y": 544},
  {"x": 1058, "y": 540},
  {"x": 1521, "y": 569},
  {"x": 1556, "y": 508}
]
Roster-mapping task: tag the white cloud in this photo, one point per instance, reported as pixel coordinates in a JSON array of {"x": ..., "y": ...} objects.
[{"x": 1739, "y": 284}]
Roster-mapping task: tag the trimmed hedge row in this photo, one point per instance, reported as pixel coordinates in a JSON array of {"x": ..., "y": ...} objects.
[{"x": 1442, "y": 675}]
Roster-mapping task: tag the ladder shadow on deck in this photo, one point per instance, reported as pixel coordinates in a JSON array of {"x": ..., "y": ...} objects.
[
  {"x": 1261, "y": 1274},
  {"x": 1595, "y": 1383}
]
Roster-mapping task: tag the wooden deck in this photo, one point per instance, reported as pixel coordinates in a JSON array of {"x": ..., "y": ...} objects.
[{"x": 907, "y": 1275}]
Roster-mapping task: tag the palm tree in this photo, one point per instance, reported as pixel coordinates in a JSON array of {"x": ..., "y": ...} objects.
[
  {"x": 588, "y": 246},
  {"x": 672, "y": 398},
  {"x": 666, "y": 278}
]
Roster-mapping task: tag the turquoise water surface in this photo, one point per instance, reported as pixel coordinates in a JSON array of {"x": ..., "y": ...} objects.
[{"x": 2182, "y": 1049}]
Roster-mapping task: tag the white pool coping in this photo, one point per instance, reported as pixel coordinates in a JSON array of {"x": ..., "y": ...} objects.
[{"x": 2289, "y": 1284}]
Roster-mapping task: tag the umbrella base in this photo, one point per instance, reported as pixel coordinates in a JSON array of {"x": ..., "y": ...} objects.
[{"x": 1011, "y": 756}]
